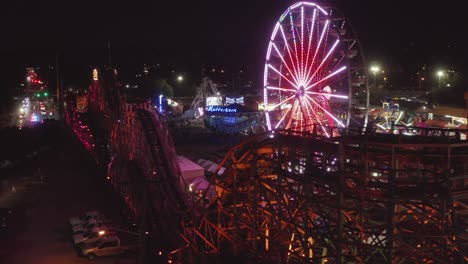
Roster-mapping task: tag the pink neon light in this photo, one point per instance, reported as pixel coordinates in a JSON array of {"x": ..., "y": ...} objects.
[
  {"x": 282, "y": 118},
  {"x": 323, "y": 11},
  {"x": 282, "y": 59},
  {"x": 316, "y": 117},
  {"x": 295, "y": 5},
  {"x": 304, "y": 116},
  {"x": 311, "y": 34},
  {"x": 318, "y": 47},
  {"x": 282, "y": 102},
  {"x": 289, "y": 51},
  {"x": 273, "y": 68},
  {"x": 292, "y": 115},
  {"x": 280, "y": 89},
  {"x": 327, "y": 94},
  {"x": 302, "y": 42},
  {"x": 269, "y": 51},
  {"x": 309, "y": 106},
  {"x": 309, "y": 3},
  {"x": 265, "y": 94},
  {"x": 332, "y": 74},
  {"x": 268, "y": 120},
  {"x": 323, "y": 61},
  {"x": 328, "y": 113},
  {"x": 275, "y": 30},
  {"x": 295, "y": 46}
]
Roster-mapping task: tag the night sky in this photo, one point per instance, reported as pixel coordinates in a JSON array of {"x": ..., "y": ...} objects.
[{"x": 233, "y": 34}]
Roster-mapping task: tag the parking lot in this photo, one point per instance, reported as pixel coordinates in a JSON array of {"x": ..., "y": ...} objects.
[{"x": 44, "y": 193}]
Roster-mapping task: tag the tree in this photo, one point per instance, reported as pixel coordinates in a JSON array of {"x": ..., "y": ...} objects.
[{"x": 164, "y": 88}]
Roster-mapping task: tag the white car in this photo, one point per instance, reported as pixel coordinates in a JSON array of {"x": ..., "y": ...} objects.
[
  {"x": 83, "y": 218},
  {"x": 107, "y": 246},
  {"x": 89, "y": 235},
  {"x": 86, "y": 226}
]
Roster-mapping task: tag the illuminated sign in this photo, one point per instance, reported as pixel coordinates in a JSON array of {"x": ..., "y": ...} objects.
[
  {"x": 95, "y": 75},
  {"x": 214, "y": 100},
  {"x": 235, "y": 100},
  {"x": 221, "y": 109}
]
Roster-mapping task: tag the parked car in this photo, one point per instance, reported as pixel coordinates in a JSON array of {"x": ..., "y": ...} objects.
[
  {"x": 101, "y": 234},
  {"x": 88, "y": 235},
  {"x": 108, "y": 246},
  {"x": 83, "y": 218},
  {"x": 92, "y": 223},
  {"x": 5, "y": 219}
]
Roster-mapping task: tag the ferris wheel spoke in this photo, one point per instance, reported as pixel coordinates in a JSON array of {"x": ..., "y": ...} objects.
[
  {"x": 291, "y": 116},
  {"x": 289, "y": 52},
  {"x": 280, "y": 89},
  {"x": 327, "y": 106},
  {"x": 282, "y": 118},
  {"x": 318, "y": 46},
  {"x": 311, "y": 34},
  {"x": 284, "y": 62},
  {"x": 325, "y": 111},
  {"x": 321, "y": 70},
  {"x": 282, "y": 102},
  {"x": 293, "y": 31},
  {"x": 317, "y": 118},
  {"x": 335, "y": 80},
  {"x": 308, "y": 80},
  {"x": 305, "y": 114},
  {"x": 302, "y": 41},
  {"x": 273, "y": 68},
  {"x": 327, "y": 77},
  {"x": 338, "y": 63},
  {"x": 328, "y": 94}
]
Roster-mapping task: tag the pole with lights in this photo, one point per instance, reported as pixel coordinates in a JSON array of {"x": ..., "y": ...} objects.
[
  {"x": 440, "y": 74},
  {"x": 374, "y": 69},
  {"x": 160, "y": 103}
]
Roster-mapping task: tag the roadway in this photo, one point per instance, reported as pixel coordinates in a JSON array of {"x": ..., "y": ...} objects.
[{"x": 42, "y": 205}]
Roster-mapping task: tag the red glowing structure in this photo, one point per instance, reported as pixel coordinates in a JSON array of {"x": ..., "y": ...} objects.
[
  {"x": 314, "y": 68},
  {"x": 293, "y": 195}
]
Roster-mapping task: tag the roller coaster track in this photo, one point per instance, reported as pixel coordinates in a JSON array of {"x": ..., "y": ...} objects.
[
  {"x": 166, "y": 170},
  {"x": 293, "y": 197}
]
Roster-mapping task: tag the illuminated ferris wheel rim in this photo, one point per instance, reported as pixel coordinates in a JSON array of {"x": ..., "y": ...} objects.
[{"x": 306, "y": 82}]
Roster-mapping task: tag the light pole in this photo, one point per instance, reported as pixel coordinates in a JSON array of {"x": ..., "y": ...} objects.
[
  {"x": 440, "y": 74},
  {"x": 373, "y": 69}
]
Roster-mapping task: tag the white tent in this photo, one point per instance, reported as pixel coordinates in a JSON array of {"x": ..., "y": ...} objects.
[
  {"x": 207, "y": 164},
  {"x": 190, "y": 170}
]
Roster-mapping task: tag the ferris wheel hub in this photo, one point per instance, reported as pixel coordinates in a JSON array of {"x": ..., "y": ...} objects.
[{"x": 300, "y": 91}]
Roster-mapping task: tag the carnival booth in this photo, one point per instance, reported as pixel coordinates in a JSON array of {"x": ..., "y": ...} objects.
[{"x": 233, "y": 119}]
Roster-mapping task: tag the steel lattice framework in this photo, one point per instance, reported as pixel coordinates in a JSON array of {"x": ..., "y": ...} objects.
[
  {"x": 353, "y": 199},
  {"x": 294, "y": 196}
]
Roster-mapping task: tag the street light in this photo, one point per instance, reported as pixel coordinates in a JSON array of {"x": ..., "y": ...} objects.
[
  {"x": 180, "y": 78},
  {"x": 440, "y": 74},
  {"x": 373, "y": 69}
]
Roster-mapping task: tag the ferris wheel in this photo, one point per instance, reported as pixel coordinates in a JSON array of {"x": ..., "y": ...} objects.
[{"x": 314, "y": 71}]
